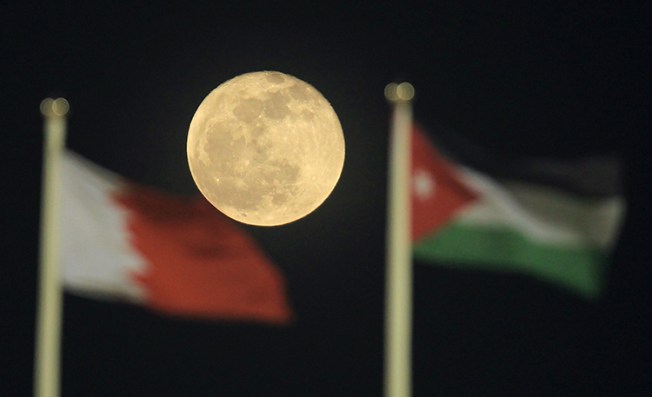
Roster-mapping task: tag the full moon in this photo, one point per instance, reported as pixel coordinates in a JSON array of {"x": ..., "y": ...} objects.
[{"x": 265, "y": 148}]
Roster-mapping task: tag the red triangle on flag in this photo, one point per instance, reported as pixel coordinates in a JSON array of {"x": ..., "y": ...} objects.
[
  {"x": 199, "y": 263},
  {"x": 437, "y": 193}
]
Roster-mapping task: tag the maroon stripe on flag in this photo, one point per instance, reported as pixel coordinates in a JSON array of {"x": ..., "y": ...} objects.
[{"x": 199, "y": 262}]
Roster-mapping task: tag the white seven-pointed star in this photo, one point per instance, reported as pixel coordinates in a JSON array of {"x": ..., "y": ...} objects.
[{"x": 423, "y": 184}]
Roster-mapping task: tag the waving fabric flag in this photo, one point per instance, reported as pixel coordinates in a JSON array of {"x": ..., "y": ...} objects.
[
  {"x": 175, "y": 255},
  {"x": 552, "y": 220}
]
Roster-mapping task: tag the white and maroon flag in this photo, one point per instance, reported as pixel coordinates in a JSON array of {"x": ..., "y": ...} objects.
[{"x": 172, "y": 254}]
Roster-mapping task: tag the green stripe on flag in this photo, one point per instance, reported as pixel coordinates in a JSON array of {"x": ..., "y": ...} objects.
[{"x": 579, "y": 268}]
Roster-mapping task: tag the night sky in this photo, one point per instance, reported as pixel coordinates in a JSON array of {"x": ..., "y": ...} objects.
[{"x": 558, "y": 80}]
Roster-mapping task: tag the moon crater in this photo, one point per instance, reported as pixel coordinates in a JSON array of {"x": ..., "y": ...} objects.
[{"x": 265, "y": 148}]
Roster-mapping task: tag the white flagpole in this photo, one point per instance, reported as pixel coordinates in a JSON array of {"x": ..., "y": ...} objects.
[
  {"x": 398, "y": 295},
  {"x": 48, "y": 322}
]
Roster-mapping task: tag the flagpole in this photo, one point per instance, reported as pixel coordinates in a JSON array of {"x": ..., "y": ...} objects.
[
  {"x": 398, "y": 295},
  {"x": 48, "y": 322}
]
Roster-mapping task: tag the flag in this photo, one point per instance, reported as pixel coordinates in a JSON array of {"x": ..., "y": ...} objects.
[
  {"x": 553, "y": 220},
  {"x": 172, "y": 254}
]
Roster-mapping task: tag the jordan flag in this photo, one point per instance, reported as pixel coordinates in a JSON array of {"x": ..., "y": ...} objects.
[
  {"x": 175, "y": 255},
  {"x": 553, "y": 220}
]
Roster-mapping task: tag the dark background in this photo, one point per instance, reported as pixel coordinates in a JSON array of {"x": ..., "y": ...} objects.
[{"x": 559, "y": 80}]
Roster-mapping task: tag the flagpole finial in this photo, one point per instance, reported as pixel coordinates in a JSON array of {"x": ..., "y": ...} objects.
[
  {"x": 401, "y": 92},
  {"x": 54, "y": 107}
]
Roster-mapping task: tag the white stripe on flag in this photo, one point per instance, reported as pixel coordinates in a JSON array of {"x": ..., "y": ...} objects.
[
  {"x": 96, "y": 251},
  {"x": 542, "y": 214}
]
